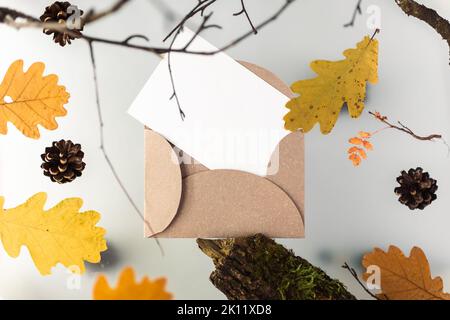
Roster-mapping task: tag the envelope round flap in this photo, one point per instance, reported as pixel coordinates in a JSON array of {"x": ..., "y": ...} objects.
[
  {"x": 230, "y": 203},
  {"x": 188, "y": 165},
  {"x": 162, "y": 183},
  {"x": 287, "y": 168}
]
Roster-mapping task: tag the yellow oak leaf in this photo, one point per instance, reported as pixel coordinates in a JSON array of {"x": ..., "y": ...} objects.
[
  {"x": 128, "y": 289},
  {"x": 341, "y": 82},
  {"x": 28, "y": 99},
  {"x": 61, "y": 234},
  {"x": 404, "y": 278}
]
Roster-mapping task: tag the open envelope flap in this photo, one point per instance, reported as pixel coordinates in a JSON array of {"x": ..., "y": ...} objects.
[
  {"x": 222, "y": 203},
  {"x": 162, "y": 183},
  {"x": 287, "y": 168}
]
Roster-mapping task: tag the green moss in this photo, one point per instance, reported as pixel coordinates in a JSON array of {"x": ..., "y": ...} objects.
[{"x": 296, "y": 278}]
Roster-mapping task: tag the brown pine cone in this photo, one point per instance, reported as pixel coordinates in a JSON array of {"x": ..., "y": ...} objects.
[
  {"x": 58, "y": 13},
  {"x": 63, "y": 161},
  {"x": 417, "y": 189}
]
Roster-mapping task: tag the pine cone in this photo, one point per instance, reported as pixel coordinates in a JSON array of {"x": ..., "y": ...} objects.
[
  {"x": 57, "y": 13},
  {"x": 417, "y": 189},
  {"x": 63, "y": 161}
]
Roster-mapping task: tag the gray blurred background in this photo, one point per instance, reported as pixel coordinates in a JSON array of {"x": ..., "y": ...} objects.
[{"x": 348, "y": 210}]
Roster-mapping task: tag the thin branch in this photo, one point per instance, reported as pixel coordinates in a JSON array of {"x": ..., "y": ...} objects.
[
  {"x": 244, "y": 11},
  {"x": 401, "y": 127},
  {"x": 200, "y": 8},
  {"x": 355, "y": 275},
  {"x": 428, "y": 15},
  {"x": 93, "y": 16},
  {"x": 136, "y": 36},
  {"x": 258, "y": 27},
  {"x": 172, "y": 81},
  {"x": 102, "y": 146},
  {"x": 34, "y": 23},
  {"x": 13, "y": 14},
  {"x": 356, "y": 11}
]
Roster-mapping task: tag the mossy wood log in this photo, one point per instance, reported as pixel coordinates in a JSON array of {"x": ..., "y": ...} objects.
[{"x": 256, "y": 267}]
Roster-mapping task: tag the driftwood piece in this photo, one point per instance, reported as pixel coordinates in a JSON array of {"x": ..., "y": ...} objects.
[
  {"x": 257, "y": 268},
  {"x": 428, "y": 15}
]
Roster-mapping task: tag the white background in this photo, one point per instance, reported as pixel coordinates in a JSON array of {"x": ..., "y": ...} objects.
[{"x": 348, "y": 210}]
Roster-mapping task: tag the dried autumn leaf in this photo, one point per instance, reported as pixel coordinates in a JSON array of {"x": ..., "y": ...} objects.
[
  {"x": 356, "y": 141},
  {"x": 320, "y": 99},
  {"x": 355, "y": 159},
  {"x": 352, "y": 150},
  {"x": 28, "y": 99},
  {"x": 61, "y": 234},
  {"x": 404, "y": 278},
  {"x": 364, "y": 135},
  {"x": 128, "y": 289},
  {"x": 359, "y": 151},
  {"x": 367, "y": 145}
]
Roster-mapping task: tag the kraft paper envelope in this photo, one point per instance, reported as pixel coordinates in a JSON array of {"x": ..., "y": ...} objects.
[{"x": 184, "y": 199}]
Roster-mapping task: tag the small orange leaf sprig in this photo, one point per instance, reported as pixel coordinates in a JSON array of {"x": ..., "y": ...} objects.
[{"x": 360, "y": 143}]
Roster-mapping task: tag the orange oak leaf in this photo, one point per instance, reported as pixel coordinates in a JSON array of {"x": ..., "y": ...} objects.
[
  {"x": 404, "y": 278},
  {"x": 128, "y": 289},
  {"x": 29, "y": 99}
]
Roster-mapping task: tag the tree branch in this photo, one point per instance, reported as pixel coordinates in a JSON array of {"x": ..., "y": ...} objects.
[
  {"x": 31, "y": 22},
  {"x": 6, "y": 13},
  {"x": 256, "y": 267},
  {"x": 356, "y": 11},
  {"x": 93, "y": 16},
  {"x": 355, "y": 275},
  {"x": 244, "y": 11},
  {"x": 102, "y": 145},
  {"x": 428, "y": 15},
  {"x": 403, "y": 128}
]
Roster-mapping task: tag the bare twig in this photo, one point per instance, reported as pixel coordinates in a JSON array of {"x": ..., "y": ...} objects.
[
  {"x": 172, "y": 80},
  {"x": 428, "y": 15},
  {"x": 401, "y": 127},
  {"x": 200, "y": 8},
  {"x": 34, "y": 23},
  {"x": 203, "y": 26},
  {"x": 135, "y": 36},
  {"x": 12, "y": 14},
  {"x": 355, "y": 275},
  {"x": 93, "y": 16},
  {"x": 258, "y": 27},
  {"x": 102, "y": 145},
  {"x": 356, "y": 11},
  {"x": 244, "y": 11}
]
